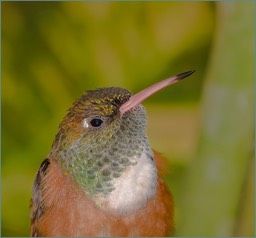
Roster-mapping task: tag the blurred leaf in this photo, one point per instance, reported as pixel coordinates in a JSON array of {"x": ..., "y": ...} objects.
[{"x": 213, "y": 188}]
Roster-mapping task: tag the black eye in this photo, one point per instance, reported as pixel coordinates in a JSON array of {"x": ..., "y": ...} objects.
[{"x": 96, "y": 122}]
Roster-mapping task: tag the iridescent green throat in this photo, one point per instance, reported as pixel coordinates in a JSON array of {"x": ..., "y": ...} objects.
[{"x": 96, "y": 159}]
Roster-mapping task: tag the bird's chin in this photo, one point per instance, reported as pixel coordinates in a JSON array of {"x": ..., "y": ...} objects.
[{"x": 133, "y": 189}]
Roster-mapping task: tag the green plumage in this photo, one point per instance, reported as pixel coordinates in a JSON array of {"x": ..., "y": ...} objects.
[{"x": 96, "y": 156}]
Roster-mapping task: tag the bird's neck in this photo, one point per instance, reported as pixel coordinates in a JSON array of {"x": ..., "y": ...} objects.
[
  {"x": 119, "y": 177},
  {"x": 136, "y": 185}
]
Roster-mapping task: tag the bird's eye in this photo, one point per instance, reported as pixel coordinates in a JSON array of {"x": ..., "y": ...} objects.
[{"x": 96, "y": 122}]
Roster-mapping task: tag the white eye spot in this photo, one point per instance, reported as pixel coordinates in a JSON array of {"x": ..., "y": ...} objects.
[{"x": 85, "y": 123}]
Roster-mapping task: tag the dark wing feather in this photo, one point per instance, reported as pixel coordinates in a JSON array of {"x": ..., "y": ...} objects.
[{"x": 37, "y": 202}]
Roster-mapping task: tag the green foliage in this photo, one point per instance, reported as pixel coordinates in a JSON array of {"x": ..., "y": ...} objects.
[
  {"x": 53, "y": 51},
  {"x": 214, "y": 184}
]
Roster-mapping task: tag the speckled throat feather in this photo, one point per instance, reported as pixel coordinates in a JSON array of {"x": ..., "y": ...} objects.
[{"x": 98, "y": 158}]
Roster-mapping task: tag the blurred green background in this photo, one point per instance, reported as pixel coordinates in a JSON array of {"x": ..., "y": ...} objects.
[{"x": 53, "y": 51}]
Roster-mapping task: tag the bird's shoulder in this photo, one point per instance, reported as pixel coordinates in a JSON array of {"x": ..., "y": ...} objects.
[
  {"x": 37, "y": 202},
  {"x": 54, "y": 194}
]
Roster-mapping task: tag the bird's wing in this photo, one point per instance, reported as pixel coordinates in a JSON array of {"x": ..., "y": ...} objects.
[{"x": 37, "y": 201}]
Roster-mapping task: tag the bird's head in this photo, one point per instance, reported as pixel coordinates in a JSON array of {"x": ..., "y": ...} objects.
[{"x": 103, "y": 134}]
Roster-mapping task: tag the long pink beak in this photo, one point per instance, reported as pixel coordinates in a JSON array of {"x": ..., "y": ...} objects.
[{"x": 144, "y": 94}]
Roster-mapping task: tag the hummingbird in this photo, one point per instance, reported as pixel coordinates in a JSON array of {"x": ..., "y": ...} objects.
[{"x": 100, "y": 177}]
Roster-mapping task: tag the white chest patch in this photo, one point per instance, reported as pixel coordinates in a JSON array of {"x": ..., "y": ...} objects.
[{"x": 133, "y": 188}]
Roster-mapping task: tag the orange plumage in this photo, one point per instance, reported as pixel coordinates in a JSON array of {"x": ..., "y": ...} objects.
[{"x": 63, "y": 200}]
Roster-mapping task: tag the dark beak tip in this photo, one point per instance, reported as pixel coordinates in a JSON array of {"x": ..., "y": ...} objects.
[{"x": 185, "y": 74}]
